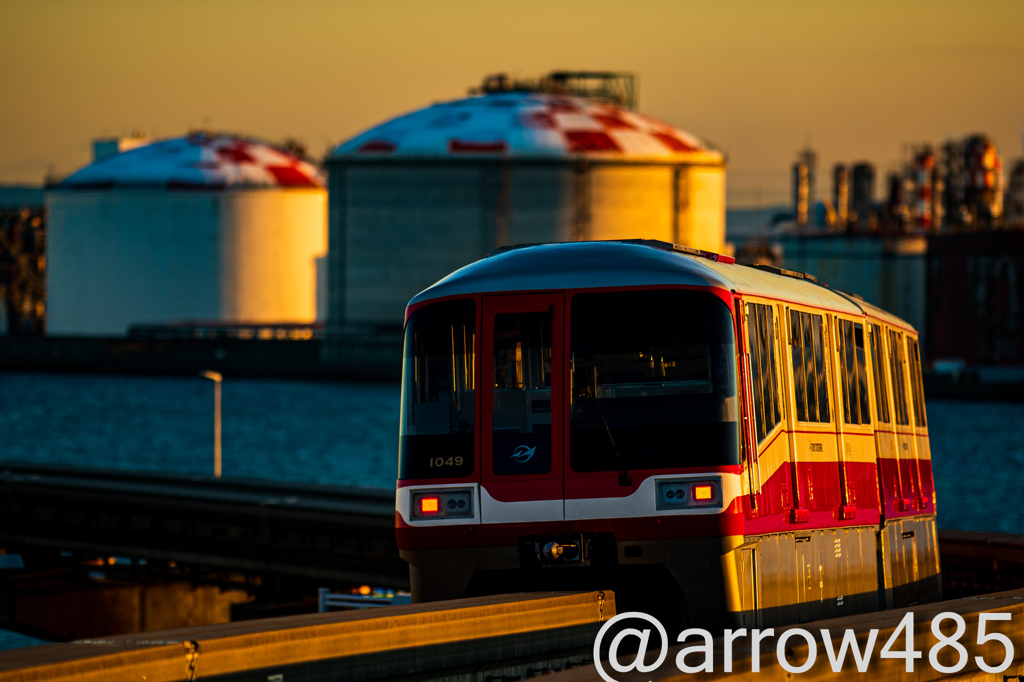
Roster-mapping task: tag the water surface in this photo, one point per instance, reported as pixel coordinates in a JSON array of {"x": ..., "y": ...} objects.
[{"x": 346, "y": 434}]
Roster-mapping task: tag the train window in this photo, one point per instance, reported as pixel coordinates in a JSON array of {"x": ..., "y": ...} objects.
[
  {"x": 856, "y": 409},
  {"x": 522, "y": 391},
  {"x": 658, "y": 368},
  {"x": 810, "y": 378},
  {"x": 899, "y": 380},
  {"x": 915, "y": 377},
  {"x": 439, "y": 384},
  {"x": 761, "y": 344},
  {"x": 881, "y": 378}
]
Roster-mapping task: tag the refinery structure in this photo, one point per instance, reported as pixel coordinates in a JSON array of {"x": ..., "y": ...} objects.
[
  {"x": 942, "y": 247},
  {"x": 22, "y": 261},
  {"x": 955, "y": 187}
]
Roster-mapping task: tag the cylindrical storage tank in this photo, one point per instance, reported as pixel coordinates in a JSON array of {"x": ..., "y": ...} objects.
[
  {"x": 204, "y": 227},
  {"x": 426, "y": 193}
]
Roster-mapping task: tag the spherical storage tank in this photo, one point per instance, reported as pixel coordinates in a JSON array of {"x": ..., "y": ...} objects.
[
  {"x": 425, "y": 193},
  {"x": 203, "y": 227}
]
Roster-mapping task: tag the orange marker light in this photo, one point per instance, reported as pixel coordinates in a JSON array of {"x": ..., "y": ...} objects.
[
  {"x": 430, "y": 505},
  {"x": 702, "y": 492}
]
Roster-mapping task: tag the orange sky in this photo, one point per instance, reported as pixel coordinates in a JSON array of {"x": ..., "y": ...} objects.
[{"x": 759, "y": 79}]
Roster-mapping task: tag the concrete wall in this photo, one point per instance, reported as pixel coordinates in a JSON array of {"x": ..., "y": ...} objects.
[
  {"x": 976, "y": 300},
  {"x": 77, "y": 610},
  {"x": 120, "y": 257}
]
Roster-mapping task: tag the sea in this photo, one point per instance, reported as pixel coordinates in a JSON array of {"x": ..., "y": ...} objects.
[{"x": 346, "y": 433}]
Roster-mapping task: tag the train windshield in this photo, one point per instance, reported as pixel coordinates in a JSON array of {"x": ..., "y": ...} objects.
[
  {"x": 653, "y": 381},
  {"x": 439, "y": 382}
]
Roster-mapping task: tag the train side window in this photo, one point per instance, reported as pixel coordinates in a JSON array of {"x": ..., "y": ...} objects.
[
  {"x": 810, "y": 379},
  {"x": 761, "y": 342},
  {"x": 920, "y": 418},
  {"x": 881, "y": 378},
  {"x": 854, "y": 373},
  {"x": 899, "y": 381}
]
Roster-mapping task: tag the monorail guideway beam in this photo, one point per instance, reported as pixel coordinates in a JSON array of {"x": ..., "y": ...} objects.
[
  {"x": 499, "y": 637},
  {"x": 289, "y": 529}
]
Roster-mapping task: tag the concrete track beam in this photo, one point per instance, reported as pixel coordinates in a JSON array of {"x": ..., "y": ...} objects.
[{"x": 418, "y": 640}]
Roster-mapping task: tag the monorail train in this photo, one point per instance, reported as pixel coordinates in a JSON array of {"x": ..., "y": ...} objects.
[{"x": 723, "y": 444}]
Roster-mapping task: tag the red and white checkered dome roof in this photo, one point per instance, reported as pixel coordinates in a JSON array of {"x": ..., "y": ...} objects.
[
  {"x": 527, "y": 124},
  {"x": 199, "y": 161}
]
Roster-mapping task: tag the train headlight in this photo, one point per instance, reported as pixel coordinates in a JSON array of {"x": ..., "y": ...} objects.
[
  {"x": 689, "y": 493},
  {"x": 442, "y": 504}
]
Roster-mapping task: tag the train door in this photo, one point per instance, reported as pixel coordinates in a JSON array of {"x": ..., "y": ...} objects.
[
  {"x": 522, "y": 413},
  {"x": 854, "y": 429},
  {"x": 747, "y": 366},
  {"x": 771, "y": 584},
  {"x": 903, "y": 534},
  {"x": 902, "y": 416},
  {"x": 813, "y": 434},
  {"x": 922, "y": 450},
  {"x": 925, "y": 573},
  {"x": 770, "y": 466},
  {"x": 890, "y": 484}
]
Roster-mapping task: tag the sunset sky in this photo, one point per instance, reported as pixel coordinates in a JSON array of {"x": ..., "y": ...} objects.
[{"x": 858, "y": 80}]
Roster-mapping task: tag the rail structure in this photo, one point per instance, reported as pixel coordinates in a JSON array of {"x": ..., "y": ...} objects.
[
  {"x": 515, "y": 637},
  {"x": 975, "y": 563},
  {"x": 290, "y": 529},
  {"x": 497, "y": 638}
]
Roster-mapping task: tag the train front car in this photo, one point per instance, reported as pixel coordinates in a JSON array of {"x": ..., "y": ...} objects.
[
  {"x": 573, "y": 418},
  {"x": 570, "y": 419}
]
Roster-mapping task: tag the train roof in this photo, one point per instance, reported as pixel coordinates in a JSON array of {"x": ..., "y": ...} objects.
[{"x": 589, "y": 265}]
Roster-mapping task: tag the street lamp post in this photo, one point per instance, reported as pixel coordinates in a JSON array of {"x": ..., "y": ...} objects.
[{"x": 216, "y": 378}]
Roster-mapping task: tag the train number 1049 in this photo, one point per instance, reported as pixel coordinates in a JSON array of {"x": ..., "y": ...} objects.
[{"x": 442, "y": 462}]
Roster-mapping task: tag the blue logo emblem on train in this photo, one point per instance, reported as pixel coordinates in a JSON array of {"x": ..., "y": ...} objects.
[{"x": 523, "y": 454}]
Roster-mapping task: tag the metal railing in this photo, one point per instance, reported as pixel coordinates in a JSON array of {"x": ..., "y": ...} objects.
[{"x": 328, "y": 600}]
